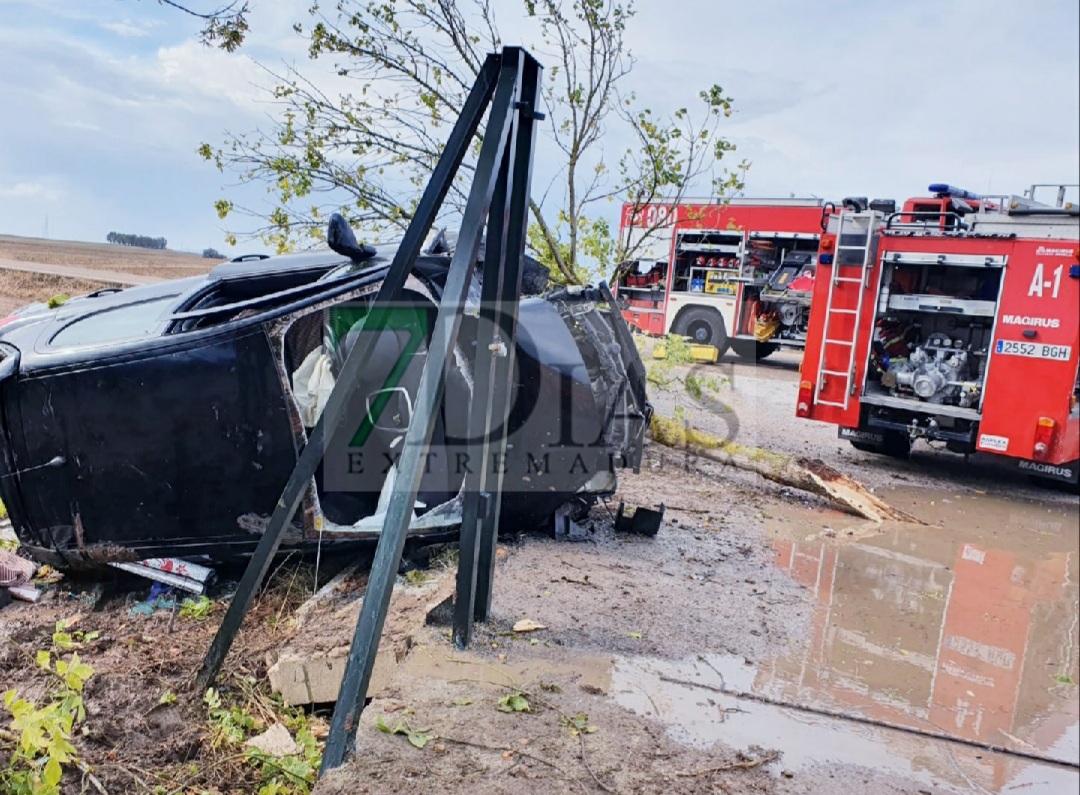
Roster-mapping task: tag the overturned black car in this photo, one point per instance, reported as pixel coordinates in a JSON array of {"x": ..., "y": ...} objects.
[{"x": 164, "y": 420}]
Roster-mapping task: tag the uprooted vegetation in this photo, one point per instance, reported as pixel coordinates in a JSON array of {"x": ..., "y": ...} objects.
[{"x": 102, "y": 700}]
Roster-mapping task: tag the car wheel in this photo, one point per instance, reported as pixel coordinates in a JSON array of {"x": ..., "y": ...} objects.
[
  {"x": 752, "y": 349},
  {"x": 703, "y": 326}
]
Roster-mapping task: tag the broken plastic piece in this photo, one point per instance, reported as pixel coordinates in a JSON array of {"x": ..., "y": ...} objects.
[
  {"x": 566, "y": 529},
  {"x": 176, "y": 573},
  {"x": 642, "y": 521},
  {"x": 27, "y": 593}
]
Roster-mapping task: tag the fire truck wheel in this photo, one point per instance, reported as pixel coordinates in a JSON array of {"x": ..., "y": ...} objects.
[
  {"x": 703, "y": 326},
  {"x": 752, "y": 349}
]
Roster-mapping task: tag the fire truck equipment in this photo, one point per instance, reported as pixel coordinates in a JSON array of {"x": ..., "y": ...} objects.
[
  {"x": 723, "y": 266},
  {"x": 952, "y": 320}
]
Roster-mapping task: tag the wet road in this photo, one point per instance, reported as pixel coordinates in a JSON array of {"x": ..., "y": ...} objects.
[{"x": 967, "y": 627}]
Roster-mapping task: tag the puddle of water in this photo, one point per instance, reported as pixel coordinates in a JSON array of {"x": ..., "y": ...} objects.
[
  {"x": 685, "y": 696},
  {"x": 968, "y": 628}
]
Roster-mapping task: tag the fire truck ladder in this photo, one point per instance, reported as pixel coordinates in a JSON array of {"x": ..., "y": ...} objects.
[{"x": 854, "y": 248}]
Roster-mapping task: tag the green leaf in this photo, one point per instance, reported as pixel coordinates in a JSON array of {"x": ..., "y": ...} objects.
[
  {"x": 634, "y": 635},
  {"x": 578, "y": 724},
  {"x": 513, "y": 702},
  {"x": 418, "y": 738},
  {"x": 44, "y": 660},
  {"x": 168, "y": 697},
  {"x": 53, "y": 772},
  {"x": 1064, "y": 679},
  {"x": 198, "y": 609}
]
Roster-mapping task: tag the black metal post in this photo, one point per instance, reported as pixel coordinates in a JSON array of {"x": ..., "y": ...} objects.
[
  {"x": 510, "y": 293},
  {"x": 361, "y": 660},
  {"x": 476, "y": 498},
  {"x": 330, "y": 421}
]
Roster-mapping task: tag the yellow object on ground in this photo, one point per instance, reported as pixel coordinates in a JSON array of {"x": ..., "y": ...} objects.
[{"x": 697, "y": 353}]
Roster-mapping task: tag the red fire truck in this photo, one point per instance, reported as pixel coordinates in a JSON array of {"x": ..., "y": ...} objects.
[
  {"x": 737, "y": 272},
  {"x": 955, "y": 319}
]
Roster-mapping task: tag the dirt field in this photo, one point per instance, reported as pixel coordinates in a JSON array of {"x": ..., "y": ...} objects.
[
  {"x": 762, "y": 642},
  {"x": 17, "y": 289}
]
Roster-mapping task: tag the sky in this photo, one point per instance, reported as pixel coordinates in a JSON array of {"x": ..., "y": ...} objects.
[{"x": 104, "y": 102}]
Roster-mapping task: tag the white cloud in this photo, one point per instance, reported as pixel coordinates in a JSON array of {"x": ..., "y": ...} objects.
[
  {"x": 30, "y": 190},
  {"x": 128, "y": 29}
]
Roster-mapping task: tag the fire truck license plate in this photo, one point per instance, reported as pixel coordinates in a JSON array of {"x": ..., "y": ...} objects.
[{"x": 1034, "y": 350}]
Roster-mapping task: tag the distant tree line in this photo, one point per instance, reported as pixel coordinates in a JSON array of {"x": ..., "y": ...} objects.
[
  {"x": 212, "y": 253},
  {"x": 142, "y": 241}
]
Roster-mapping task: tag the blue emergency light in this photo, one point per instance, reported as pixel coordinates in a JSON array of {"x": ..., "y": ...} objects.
[{"x": 943, "y": 189}]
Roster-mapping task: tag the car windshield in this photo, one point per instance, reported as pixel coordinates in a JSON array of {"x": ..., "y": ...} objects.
[{"x": 113, "y": 325}]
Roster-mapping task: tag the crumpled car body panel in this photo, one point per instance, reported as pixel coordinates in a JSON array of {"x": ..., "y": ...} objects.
[{"x": 161, "y": 420}]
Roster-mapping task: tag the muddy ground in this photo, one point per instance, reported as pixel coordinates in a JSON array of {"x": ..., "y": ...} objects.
[{"x": 761, "y": 643}]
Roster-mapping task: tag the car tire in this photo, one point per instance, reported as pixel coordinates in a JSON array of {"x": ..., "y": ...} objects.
[
  {"x": 752, "y": 349},
  {"x": 703, "y": 326}
]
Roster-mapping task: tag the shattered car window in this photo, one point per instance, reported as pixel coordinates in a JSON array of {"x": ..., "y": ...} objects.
[{"x": 113, "y": 325}]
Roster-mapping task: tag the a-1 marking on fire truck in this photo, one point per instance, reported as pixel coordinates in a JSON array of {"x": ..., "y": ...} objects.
[
  {"x": 999, "y": 443},
  {"x": 1038, "y": 284},
  {"x": 1034, "y": 350}
]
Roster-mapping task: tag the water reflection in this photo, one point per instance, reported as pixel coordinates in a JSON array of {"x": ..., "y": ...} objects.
[{"x": 969, "y": 629}]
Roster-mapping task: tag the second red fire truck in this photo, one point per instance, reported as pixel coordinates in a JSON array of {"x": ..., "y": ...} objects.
[
  {"x": 736, "y": 273},
  {"x": 955, "y": 320}
]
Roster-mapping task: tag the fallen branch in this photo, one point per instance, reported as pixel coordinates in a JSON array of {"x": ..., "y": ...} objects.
[
  {"x": 585, "y": 761},
  {"x": 805, "y": 474},
  {"x": 745, "y": 764}
]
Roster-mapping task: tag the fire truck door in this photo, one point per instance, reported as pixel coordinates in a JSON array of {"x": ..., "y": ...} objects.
[{"x": 1033, "y": 356}]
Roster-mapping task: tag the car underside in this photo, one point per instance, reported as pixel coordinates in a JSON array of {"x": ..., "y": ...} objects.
[{"x": 165, "y": 420}]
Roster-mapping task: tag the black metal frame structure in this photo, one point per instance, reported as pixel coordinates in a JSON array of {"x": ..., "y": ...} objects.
[{"x": 498, "y": 200}]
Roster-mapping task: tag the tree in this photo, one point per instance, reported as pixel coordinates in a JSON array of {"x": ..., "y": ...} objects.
[
  {"x": 225, "y": 26},
  {"x": 406, "y": 67},
  {"x": 141, "y": 241}
]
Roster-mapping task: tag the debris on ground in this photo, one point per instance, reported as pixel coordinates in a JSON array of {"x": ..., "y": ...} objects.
[
  {"x": 812, "y": 475},
  {"x": 14, "y": 570},
  {"x": 309, "y": 668},
  {"x": 528, "y": 625},
  {"x": 275, "y": 741},
  {"x": 641, "y": 521}
]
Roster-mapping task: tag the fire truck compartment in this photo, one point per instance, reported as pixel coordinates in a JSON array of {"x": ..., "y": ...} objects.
[{"x": 933, "y": 331}]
